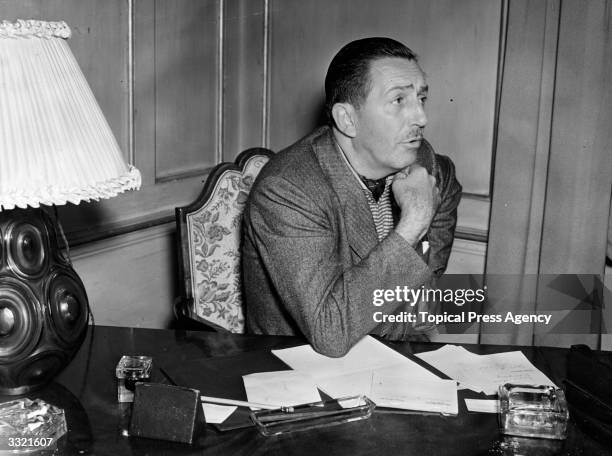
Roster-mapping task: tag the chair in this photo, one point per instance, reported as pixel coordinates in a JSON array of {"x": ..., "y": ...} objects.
[{"x": 208, "y": 236}]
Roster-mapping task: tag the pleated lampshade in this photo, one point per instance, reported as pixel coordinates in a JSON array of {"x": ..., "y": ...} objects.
[{"x": 55, "y": 144}]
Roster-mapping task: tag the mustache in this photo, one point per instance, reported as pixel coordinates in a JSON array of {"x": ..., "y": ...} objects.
[{"x": 415, "y": 133}]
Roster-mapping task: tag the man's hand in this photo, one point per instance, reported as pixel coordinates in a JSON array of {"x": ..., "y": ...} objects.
[{"x": 417, "y": 196}]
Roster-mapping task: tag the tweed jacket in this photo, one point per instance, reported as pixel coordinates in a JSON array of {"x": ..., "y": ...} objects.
[{"x": 311, "y": 259}]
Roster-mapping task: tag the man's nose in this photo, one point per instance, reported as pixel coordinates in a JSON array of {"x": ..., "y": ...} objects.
[{"x": 419, "y": 116}]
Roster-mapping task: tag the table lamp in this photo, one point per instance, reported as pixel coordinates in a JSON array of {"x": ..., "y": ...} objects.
[{"x": 55, "y": 148}]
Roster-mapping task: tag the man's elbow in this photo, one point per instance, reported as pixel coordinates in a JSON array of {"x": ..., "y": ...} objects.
[{"x": 331, "y": 345}]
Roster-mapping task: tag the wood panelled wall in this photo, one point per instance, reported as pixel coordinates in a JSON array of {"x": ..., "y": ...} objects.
[
  {"x": 186, "y": 84},
  {"x": 553, "y": 166}
]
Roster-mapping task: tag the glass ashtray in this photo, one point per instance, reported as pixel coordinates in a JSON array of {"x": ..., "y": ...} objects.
[
  {"x": 314, "y": 415},
  {"x": 533, "y": 411},
  {"x": 30, "y": 427}
]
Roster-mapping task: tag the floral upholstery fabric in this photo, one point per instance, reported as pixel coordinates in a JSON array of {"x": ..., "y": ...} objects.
[{"x": 214, "y": 249}]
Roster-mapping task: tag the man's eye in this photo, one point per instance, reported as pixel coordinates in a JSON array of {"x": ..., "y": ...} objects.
[
  {"x": 423, "y": 100},
  {"x": 398, "y": 100}
]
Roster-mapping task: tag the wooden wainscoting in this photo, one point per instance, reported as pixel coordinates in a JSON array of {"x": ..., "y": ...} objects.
[{"x": 130, "y": 279}]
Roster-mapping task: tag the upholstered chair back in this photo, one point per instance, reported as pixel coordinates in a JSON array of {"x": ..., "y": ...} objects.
[{"x": 208, "y": 235}]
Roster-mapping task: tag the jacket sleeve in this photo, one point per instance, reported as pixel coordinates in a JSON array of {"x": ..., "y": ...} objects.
[
  {"x": 331, "y": 301},
  {"x": 442, "y": 229}
]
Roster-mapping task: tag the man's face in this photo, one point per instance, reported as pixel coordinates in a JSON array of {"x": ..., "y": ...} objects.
[{"x": 389, "y": 123}]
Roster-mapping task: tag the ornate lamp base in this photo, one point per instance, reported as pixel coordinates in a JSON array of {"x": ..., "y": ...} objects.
[{"x": 43, "y": 304}]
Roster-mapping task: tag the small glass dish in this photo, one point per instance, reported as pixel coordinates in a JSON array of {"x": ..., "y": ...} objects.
[
  {"x": 30, "y": 427},
  {"x": 129, "y": 370},
  {"x": 314, "y": 415},
  {"x": 533, "y": 411}
]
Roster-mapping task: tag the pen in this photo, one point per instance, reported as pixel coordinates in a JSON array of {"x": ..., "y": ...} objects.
[
  {"x": 306, "y": 411},
  {"x": 219, "y": 400},
  {"x": 298, "y": 416}
]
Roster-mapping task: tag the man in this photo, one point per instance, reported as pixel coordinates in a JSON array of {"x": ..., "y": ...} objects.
[{"x": 344, "y": 211}]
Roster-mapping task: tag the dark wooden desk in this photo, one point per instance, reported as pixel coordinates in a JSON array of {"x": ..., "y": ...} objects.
[{"x": 87, "y": 391}]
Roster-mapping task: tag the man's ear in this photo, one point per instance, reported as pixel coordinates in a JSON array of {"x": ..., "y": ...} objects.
[{"x": 345, "y": 119}]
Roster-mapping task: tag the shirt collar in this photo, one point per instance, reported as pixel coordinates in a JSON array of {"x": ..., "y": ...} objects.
[{"x": 375, "y": 186}]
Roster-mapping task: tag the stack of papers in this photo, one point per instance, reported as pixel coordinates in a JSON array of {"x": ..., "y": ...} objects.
[
  {"x": 484, "y": 372},
  {"x": 372, "y": 369},
  {"x": 390, "y": 379}
]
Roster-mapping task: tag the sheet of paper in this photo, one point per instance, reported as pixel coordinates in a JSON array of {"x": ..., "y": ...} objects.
[
  {"x": 447, "y": 353},
  {"x": 353, "y": 373},
  {"x": 367, "y": 354},
  {"x": 348, "y": 384},
  {"x": 485, "y": 372},
  {"x": 413, "y": 393},
  {"x": 283, "y": 388},
  {"x": 360, "y": 382},
  {"x": 482, "y": 405},
  {"x": 451, "y": 356},
  {"x": 512, "y": 367},
  {"x": 216, "y": 414}
]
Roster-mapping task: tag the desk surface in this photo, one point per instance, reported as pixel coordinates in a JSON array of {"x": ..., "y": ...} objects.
[{"x": 87, "y": 391}]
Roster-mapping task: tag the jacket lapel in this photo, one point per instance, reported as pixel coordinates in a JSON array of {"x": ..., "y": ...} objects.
[
  {"x": 360, "y": 227},
  {"x": 427, "y": 158}
]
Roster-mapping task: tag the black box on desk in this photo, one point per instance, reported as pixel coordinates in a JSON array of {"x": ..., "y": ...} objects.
[{"x": 166, "y": 412}]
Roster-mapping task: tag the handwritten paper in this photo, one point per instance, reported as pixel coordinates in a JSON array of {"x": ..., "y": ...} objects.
[
  {"x": 216, "y": 414},
  {"x": 484, "y": 372},
  {"x": 360, "y": 382},
  {"x": 452, "y": 357},
  {"x": 284, "y": 388},
  {"x": 409, "y": 393},
  {"x": 348, "y": 384},
  {"x": 396, "y": 387}
]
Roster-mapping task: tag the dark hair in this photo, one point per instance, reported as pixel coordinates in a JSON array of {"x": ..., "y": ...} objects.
[{"x": 348, "y": 75}]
